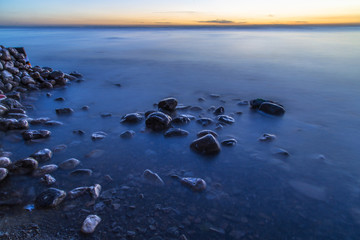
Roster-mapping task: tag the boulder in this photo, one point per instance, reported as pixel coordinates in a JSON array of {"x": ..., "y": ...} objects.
[
  {"x": 23, "y": 166},
  {"x": 35, "y": 134},
  {"x": 90, "y": 223},
  {"x": 132, "y": 118},
  {"x": 4, "y": 162},
  {"x": 69, "y": 164},
  {"x": 168, "y": 104},
  {"x": 42, "y": 155},
  {"x": 272, "y": 108},
  {"x": 206, "y": 145},
  {"x": 50, "y": 198},
  {"x": 127, "y": 134},
  {"x": 206, "y": 132},
  {"x": 158, "y": 121},
  {"x": 46, "y": 169},
  {"x": 3, "y": 173},
  {"x": 176, "y": 132},
  {"x": 225, "y": 119},
  {"x": 152, "y": 177},
  {"x": 196, "y": 184}
]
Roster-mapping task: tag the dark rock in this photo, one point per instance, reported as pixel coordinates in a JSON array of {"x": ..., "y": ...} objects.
[
  {"x": 267, "y": 137},
  {"x": 214, "y": 95},
  {"x": 16, "y": 115},
  {"x": 127, "y": 134},
  {"x": 13, "y": 70},
  {"x": 206, "y": 132},
  {"x": 6, "y": 76},
  {"x": 168, "y": 104},
  {"x": 229, "y": 142},
  {"x": 35, "y": 134},
  {"x": 80, "y": 132},
  {"x": 272, "y": 108},
  {"x": 76, "y": 74},
  {"x": 196, "y": 184},
  {"x": 196, "y": 109},
  {"x": 48, "y": 179},
  {"x": 226, "y": 119},
  {"x": 219, "y": 110},
  {"x": 255, "y": 104},
  {"x": 5, "y": 55},
  {"x": 56, "y": 75},
  {"x": 204, "y": 121},
  {"x": 77, "y": 192},
  {"x": 152, "y": 177},
  {"x": 98, "y": 135},
  {"x": 50, "y": 198},
  {"x": 4, "y": 162},
  {"x": 3, "y": 173},
  {"x": 3, "y": 110},
  {"x": 81, "y": 172},
  {"x": 181, "y": 119},
  {"x": 90, "y": 223},
  {"x": 64, "y": 111},
  {"x": 46, "y": 169},
  {"x": 243, "y": 103},
  {"x": 85, "y": 108},
  {"x": 158, "y": 121},
  {"x": 42, "y": 155},
  {"x": 201, "y": 99},
  {"x": 281, "y": 152},
  {"x": 14, "y": 95},
  {"x": 132, "y": 118},
  {"x": 176, "y": 132},
  {"x": 105, "y": 115},
  {"x": 69, "y": 164},
  {"x": 59, "y": 99},
  {"x": 206, "y": 145},
  {"x": 23, "y": 166},
  {"x": 13, "y": 124},
  {"x": 12, "y": 103},
  {"x": 38, "y": 121},
  {"x": 47, "y": 85},
  {"x": 53, "y": 123},
  {"x": 147, "y": 113},
  {"x": 26, "y": 80}
]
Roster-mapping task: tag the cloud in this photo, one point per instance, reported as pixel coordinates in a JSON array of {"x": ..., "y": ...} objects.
[
  {"x": 220, "y": 21},
  {"x": 271, "y": 15},
  {"x": 177, "y": 12}
]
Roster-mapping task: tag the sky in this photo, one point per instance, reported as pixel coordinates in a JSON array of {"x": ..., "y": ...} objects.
[{"x": 178, "y": 12}]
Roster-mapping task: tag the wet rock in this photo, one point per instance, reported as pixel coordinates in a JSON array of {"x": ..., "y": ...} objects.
[
  {"x": 46, "y": 169},
  {"x": 76, "y": 74},
  {"x": 27, "y": 80},
  {"x": 77, "y": 192},
  {"x": 24, "y": 166},
  {"x": 201, "y": 99},
  {"x": 35, "y": 134},
  {"x": 98, "y": 135},
  {"x": 59, "y": 99},
  {"x": 206, "y": 132},
  {"x": 176, "y": 132},
  {"x": 196, "y": 109},
  {"x": 219, "y": 111},
  {"x": 147, "y": 113},
  {"x": 255, "y": 103},
  {"x": 85, "y": 108},
  {"x": 56, "y": 75},
  {"x": 3, "y": 110},
  {"x": 12, "y": 103},
  {"x": 5, "y": 55},
  {"x": 181, "y": 119},
  {"x": 79, "y": 132},
  {"x": 59, "y": 148},
  {"x": 48, "y": 179},
  {"x": 6, "y": 76},
  {"x": 90, "y": 223},
  {"x": 16, "y": 115},
  {"x": 38, "y": 121},
  {"x": 4, "y": 162},
  {"x": 213, "y": 95},
  {"x": 81, "y": 172},
  {"x": 267, "y": 137},
  {"x": 204, "y": 121},
  {"x": 53, "y": 123},
  {"x": 63, "y": 111},
  {"x": 168, "y": 104},
  {"x": 158, "y": 121},
  {"x": 206, "y": 145},
  {"x": 243, "y": 103},
  {"x": 132, "y": 118},
  {"x": 225, "y": 119},
  {"x": 3, "y": 173},
  {"x": 272, "y": 108},
  {"x": 196, "y": 184},
  {"x": 153, "y": 177},
  {"x": 95, "y": 191},
  {"x": 13, "y": 124},
  {"x": 127, "y": 134},
  {"x": 42, "y": 155},
  {"x": 106, "y": 115},
  {"x": 229, "y": 142},
  {"x": 50, "y": 198},
  {"x": 281, "y": 152}
]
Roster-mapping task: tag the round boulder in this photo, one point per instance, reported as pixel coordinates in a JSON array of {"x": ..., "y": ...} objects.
[
  {"x": 168, "y": 104},
  {"x": 158, "y": 121},
  {"x": 206, "y": 145}
]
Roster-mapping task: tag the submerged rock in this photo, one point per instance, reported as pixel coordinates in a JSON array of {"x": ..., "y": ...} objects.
[
  {"x": 267, "y": 137},
  {"x": 168, "y": 104},
  {"x": 219, "y": 111},
  {"x": 281, "y": 152},
  {"x": 50, "y": 198},
  {"x": 13, "y": 124},
  {"x": 95, "y": 191},
  {"x": 42, "y": 155},
  {"x": 226, "y": 119},
  {"x": 24, "y": 166},
  {"x": 206, "y": 132},
  {"x": 181, "y": 119},
  {"x": 90, "y": 223},
  {"x": 176, "y": 132},
  {"x": 152, "y": 177},
  {"x": 48, "y": 179},
  {"x": 3, "y": 173},
  {"x": 35, "y": 134},
  {"x": 206, "y": 145},
  {"x": 196, "y": 184},
  {"x": 132, "y": 118},
  {"x": 98, "y": 135},
  {"x": 46, "y": 169},
  {"x": 64, "y": 111},
  {"x": 158, "y": 121},
  {"x": 204, "y": 121},
  {"x": 81, "y": 172},
  {"x": 127, "y": 134},
  {"x": 267, "y": 106},
  {"x": 229, "y": 142},
  {"x": 4, "y": 162},
  {"x": 77, "y": 192}
]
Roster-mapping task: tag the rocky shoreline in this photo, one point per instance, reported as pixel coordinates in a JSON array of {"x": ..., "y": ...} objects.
[{"x": 18, "y": 77}]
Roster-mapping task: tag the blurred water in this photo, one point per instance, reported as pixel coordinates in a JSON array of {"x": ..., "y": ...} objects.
[{"x": 313, "y": 72}]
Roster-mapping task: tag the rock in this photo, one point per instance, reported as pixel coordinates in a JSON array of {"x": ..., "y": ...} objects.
[
  {"x": 132, "y": 118},
  {"x": 206, "y": 132},
  {"x": 255, "y": 104},
  {"x": 168, "y": 104},
  {"x": 176, "y": 132},
  {"x": 56, "y": 75},
  {"x": 267, "y": 137},
  {"x": 229, "y": 142},
  {"x": 204, "y": 121},
  {"x": 24, "y": 166},
  {"x": 127, "y": 134},
  {"x": 13, "y": 70},
  {"x": 77, "y": 192},
  {"x": 35, "y": 134},
  {"x": 3, "y": 109},
  {"x": 180, "y": 120},
  {"x": 196, "y": 184},
  {"x": 219, "y": 110},
  {"x": 147, "y": 113},
  {"x": 81, "y": 172},
  {"x": 76, "y": 74},
  {"x": 26, "y": 80},
  {"x": 206, "y": 145},
  {"x": 59, "y": 148},
  {"x": 201, "y": 99},
  {"x": 243, "y": 103},
  {"x": 225, "y": 119},
  {"x": 50, "y": 198},
  {"x": 48, "y": 179},
  {"x": 59, "y": 99},
  {"x": 90, "y": 223},
  {"x": 105, "y": 115},
  {"x": 12, "y": 103},
  {"x": 46, "y": 169},
  {"x": 6, "y": 76},
  {"x": 196, "y": 109},
  {"x": 13, "y": 124},
  {"x": 5, "y": 55},
  {"x": 85, "y": 108},
  {"x": 3, "y": 173},
  {"x": 16, "y": 115},
  {"x": 281, "y": 152},
  {"x": 38, "y": 121},
  {"x": 213, "y": 95},
  {"x": 64, "y": 111},
  {"x": 42, "y": 155},
  {"x": 53, "y": 123},
  {"x": 4, "y": 162},
  {"x": 158, "y": 121},
  {"x": 98, "y": 135},
  {"x": 79, "y": 132},
  {"x": 70, "y": 163},
  {"x": 153, "y": 177},
  {"x": 95, "y": 191},
  {"x": 272, "y": 108}
]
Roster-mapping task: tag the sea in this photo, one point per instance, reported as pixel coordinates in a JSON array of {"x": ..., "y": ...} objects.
[{"x": 253, "y": 191}]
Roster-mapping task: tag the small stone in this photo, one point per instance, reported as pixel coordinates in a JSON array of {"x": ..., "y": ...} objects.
[
  {"x": 98, "y": 135},
  {"x": 48, "y": 179},
  {"x": 35, "y": 134},
  {"x": 229, "y": 142},
  {"x": 226, "y": 119},
  {"x": 158, "y": 121},
  {"x": 204, "y": 121},
  {"x": 201, "y": 99},
  {"x": 38, "y": 121},
  {"x": 63, "y": 111},
  {"x": 59, "y": 148},
  {"x": 106, "y": 115},
  {"x": 168, "y": 104},
  {"x": 127, "y": 134},
  {"x": 206, "y": 145},
  {"x": 90, "y": 223},
  {"x": 153, "y": 177},
  {"x": 42, "y": 155},
  {"x": 59, "y": 99},
  {"x": 46, "y": 169},
  {"x": 4, "y": 162},
  {"x": 205, "y": 132},
  {"x": 196, "y": 184},
  {"x": 243, "y": 103},
  {"x": 77, "y": 192},
  {"x": 85, "y": 108},
  {"x": 53, "y": 123},
  {"x": 56, "y": 75},
  {"x": 50, "y": 198},
  {"x": 81, "y": 172},
  {"x": 272, "y": 108},
  {"x": 3, "y": 173},
  {"x": 176, "y": 132},
  {"x": 132, "y": 118},
  {"x": 79, "y": 132},
  {"x": 267, "y": 137},
  {"x": 181, "y": 119},
  {"x": 24, "y": 166},
  {"x": 219, "y": 110},
  {"x": 281, "y": 152},
  {"x": 95, "y": 191}
]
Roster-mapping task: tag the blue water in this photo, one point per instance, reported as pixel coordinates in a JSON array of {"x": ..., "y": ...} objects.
[{"x": 252, "y": 193}]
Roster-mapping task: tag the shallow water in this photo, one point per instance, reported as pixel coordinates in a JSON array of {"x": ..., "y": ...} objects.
[{"x": 252, "y": 193}]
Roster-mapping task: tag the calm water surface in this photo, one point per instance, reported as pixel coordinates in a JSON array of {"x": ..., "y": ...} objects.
[{"x": 252, "y": 193}]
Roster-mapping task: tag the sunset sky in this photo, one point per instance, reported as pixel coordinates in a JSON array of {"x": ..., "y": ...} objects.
[{"x": 176, "y": 12}]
